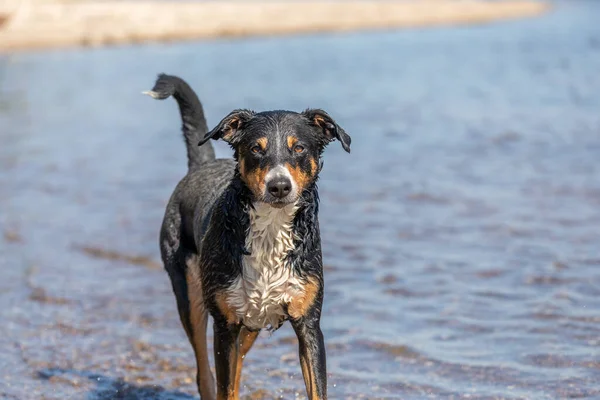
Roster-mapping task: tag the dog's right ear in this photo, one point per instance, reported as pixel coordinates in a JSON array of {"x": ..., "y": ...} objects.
[{"x": 229, "y": 128}]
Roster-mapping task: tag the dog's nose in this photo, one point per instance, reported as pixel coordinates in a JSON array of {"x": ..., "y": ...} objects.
[{"x": 279, "y": 187}]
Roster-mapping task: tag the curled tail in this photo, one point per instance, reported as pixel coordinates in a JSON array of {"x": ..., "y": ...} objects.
[{"x": 192, "y": 115}]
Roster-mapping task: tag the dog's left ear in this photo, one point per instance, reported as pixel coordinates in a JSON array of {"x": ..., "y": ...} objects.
[
  {"x": 331, "y": 130},
  {"x": 230, "y": 127}
]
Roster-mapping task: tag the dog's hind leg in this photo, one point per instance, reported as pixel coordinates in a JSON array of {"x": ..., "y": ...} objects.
[
  {"x": 193, "y": 315},
  {"x": 198, "y": 316},
  {"x": 181, "y": 263}
]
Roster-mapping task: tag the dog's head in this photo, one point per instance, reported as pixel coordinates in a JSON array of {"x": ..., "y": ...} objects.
[{"x": 278, "y": 152}]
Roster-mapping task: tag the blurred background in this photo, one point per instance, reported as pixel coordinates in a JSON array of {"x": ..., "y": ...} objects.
[{"x": 461, "y": 235}]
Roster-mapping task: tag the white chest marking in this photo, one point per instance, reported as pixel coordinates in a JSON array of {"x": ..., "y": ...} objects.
[{"x": 267, "y": 283}]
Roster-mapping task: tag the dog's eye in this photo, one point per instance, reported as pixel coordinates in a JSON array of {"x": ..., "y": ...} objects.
[
  {"x": 256, "y": 149},
  {"x": 298, "y": 148}
]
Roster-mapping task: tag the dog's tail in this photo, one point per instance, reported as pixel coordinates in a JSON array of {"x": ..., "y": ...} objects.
[{"x": 192, "y": 115}]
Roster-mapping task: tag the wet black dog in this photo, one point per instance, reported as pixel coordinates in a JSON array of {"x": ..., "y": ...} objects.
[{"x": 240, "y": 238}]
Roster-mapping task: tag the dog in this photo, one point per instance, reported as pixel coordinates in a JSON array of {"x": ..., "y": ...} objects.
[{"x": 240, "y": 238}]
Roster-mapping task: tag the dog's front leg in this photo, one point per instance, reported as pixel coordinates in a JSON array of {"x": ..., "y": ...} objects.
[
  {"x": 226, "y": 357},
  {"x": 312, "y": 354}
]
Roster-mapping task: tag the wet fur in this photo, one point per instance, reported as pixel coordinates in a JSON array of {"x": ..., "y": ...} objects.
[{"x": 229, "y": 254}]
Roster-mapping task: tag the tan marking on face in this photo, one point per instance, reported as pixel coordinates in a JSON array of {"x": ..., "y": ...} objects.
[
  {"x": 302, "y": 178},
  {"x": 225, "y": 308},
  {"x": 291, "y": 141},
  {"x": 300, "y": 304},
  {"x": 262, "y": 142},
  {"x": 255, "y": 179},
  {"x": 198, "y": 320}
]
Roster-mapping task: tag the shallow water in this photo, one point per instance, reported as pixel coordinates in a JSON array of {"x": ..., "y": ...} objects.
[{"x": 461, "y": 236}]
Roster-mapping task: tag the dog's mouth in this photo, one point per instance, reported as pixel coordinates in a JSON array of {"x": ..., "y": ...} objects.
[
  {"x": 279, "y": 203},
  {"x": 279, "y": 206},
  {"x": 276, "y": 202}
]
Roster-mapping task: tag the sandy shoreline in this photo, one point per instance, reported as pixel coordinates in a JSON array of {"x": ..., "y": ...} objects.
[{"x": 36, "y": 24}]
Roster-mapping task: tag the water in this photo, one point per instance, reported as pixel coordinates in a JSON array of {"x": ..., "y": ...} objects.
[{"x": 461, "y": 236}]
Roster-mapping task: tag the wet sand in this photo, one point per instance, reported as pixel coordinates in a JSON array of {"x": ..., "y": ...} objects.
[{"x": 34, "y": 24}]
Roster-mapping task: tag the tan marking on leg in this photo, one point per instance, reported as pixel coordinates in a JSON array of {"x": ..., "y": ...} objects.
[
  {"x": 306, "y": 374},
  {"x": 314, "y": 395},
  {"x": 309, "y": 378},
  {"x": 225, "y": 308},
  {"x": 234, "y": 355},
  {"x": 199, "y": 319},
  {"x": 291, "y": 141},
  {"x": 262, "y": 142},
  {"x": 246, "y": 339},
  {"x": 232, "y": 392},
  {"x": 300, "y": 304},
  {"x": 302, "y": 178},
  {"x": 255, "y": 180}
]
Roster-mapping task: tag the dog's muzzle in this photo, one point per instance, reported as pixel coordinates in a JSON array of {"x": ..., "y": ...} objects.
[{"x": 280, "y": 187}]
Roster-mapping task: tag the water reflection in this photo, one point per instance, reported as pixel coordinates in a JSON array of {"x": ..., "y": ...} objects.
[{"x": 460, "y": 236}]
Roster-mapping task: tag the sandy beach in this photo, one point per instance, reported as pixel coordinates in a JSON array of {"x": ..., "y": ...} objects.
[{"x": 37, "y": 24}]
